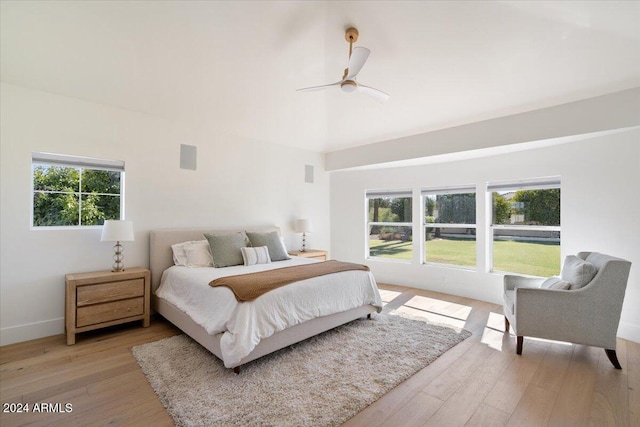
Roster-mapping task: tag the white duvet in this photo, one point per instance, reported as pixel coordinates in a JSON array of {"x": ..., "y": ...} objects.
[{"x": 244, "y": 324}]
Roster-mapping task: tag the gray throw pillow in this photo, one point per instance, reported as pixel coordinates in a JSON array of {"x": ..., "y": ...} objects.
[
  {"x": 555, "y": 283},
  {"x": 277, "y": 251},
  {"x": 577, "y": 271},
  {"x": 225, "y": 248}
]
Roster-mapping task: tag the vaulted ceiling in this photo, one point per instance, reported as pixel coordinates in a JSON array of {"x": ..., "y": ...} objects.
[{"x": 235, "y": 66}]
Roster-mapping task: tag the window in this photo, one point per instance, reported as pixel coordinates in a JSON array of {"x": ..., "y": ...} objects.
[
  {"x": 389, "y": 225},
  {"x": 449, "y": 224},
  {"x": 525, "y": 226},
  {"x": 73, "y": 191}
]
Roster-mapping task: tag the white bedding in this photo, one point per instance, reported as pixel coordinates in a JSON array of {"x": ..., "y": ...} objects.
[{"x": 244, "y": 324}]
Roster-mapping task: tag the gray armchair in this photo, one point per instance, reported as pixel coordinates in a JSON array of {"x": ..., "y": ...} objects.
[{"x": 586, "y": 315}]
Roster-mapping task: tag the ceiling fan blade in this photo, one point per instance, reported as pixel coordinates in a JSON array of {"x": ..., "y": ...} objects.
[
  {"x": 376, "y": 94},
  {"x": 314, "y": 88},
  {"x": 356, "y": 62}
]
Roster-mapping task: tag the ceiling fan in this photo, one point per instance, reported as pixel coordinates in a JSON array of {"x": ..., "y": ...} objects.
[{"x": 357, "y": 58}]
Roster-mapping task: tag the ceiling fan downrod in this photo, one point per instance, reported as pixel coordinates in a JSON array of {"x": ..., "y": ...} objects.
[{"x": 351, "y": 36}]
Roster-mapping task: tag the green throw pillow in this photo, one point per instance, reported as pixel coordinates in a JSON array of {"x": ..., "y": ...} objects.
[
  {"x": 225, "y": 249},
  {"x": 277, "y": 251}
]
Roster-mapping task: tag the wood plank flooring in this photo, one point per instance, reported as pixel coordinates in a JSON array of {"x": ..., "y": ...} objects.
[{"x": 480, "y": 382}]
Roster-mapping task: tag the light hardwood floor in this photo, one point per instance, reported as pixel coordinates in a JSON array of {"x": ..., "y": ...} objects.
[{"x": 480, "y": 382}]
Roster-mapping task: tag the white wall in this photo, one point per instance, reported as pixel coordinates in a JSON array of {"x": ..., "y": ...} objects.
[
  {"x": 237, "y": 182},
  {"x": 600, "y": 201}
]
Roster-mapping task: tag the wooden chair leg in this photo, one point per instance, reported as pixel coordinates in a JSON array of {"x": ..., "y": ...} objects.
[
  {"x": 506, "y": 324},
  {"x": 613, "y": 358},
  {"x": 519, "y": 341},
  {"x": 236, "y": 370}
]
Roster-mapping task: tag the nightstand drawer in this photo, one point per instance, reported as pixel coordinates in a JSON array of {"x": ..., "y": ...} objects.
[
  {"x": 99, "y": 313},
  {"x": 93, "y": 294}
]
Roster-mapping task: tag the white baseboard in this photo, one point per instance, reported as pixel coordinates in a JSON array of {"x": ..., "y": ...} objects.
[
  {"x": 31, "y": 331},
  {"x": 629, "y": 332}
]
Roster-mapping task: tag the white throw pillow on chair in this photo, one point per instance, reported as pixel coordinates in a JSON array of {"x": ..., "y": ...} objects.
[{"x": 578, "y": 272}]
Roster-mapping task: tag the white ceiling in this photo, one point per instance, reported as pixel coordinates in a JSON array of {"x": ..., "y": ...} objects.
[{"x": 234, "y": 66}]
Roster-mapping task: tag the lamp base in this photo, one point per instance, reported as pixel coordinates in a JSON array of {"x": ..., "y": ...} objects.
[
  {"x": 304, "y": 243},
  {"x": 118, "y": 265}
]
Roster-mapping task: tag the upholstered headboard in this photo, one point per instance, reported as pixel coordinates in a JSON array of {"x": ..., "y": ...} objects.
[{"x": 160, "y": 241}]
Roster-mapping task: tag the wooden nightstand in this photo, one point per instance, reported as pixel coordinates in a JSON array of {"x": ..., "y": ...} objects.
[
  {"x": 104, "y": 298},
  {"x": 311, "y": 253}
]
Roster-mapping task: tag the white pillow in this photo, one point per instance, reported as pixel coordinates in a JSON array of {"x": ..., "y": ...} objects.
[
  {"x": 198, "y": 255},
  {"x": 577, "y": 271},
  {"x": 555, "y": 283},
  {"x": 258, "y": 255},
  {"x": 179, "y": 254}
]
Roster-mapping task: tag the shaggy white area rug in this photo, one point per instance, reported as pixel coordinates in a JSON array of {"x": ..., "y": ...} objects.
[{"x": 322, "y": 381}]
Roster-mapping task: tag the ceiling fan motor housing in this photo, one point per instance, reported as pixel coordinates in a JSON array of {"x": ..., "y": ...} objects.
[{"x": 348, "y": 86}]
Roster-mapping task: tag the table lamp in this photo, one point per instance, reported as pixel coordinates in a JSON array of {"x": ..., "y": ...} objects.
[
  {"x": 304, "y": 226},
  {"x": 117, "y": 231}
]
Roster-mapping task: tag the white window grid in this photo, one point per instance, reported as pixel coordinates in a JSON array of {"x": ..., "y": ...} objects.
[
  {"x": 545, "y": 183},
  {"x": 80, "y": 163}
]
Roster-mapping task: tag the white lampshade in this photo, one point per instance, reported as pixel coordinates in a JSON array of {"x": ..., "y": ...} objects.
[
  {"x": 117, "y": 231},
  {"x": 304, "y": 226}
]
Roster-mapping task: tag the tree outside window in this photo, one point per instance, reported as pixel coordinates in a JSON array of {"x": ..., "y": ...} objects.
[{"x": 68, "y": 195}]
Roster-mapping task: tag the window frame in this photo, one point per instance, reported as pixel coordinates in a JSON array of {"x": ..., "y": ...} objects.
[
  {"x": 424, "y": 193},
  {"x": 400, "y": 193},
  {"x": 80, "y": 163},
  {"x": 543, "y": 183}
]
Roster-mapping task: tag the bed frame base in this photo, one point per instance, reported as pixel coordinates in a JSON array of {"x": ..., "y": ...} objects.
[{"x": 275, "y": 342}]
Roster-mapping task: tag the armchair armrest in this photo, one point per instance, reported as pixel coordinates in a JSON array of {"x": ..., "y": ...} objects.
[
  {"x": 571, "y": 315},
  {"x": 512, "y": 281}
]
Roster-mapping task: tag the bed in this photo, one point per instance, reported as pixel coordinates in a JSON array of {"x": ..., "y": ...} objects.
[{"x": 187, "y": 312}]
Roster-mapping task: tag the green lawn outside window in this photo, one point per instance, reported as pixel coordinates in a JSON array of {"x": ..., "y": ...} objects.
[{"x": 531, "y": 258}]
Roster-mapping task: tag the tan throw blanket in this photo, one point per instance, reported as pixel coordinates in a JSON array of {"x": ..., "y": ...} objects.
[{"x": 247, "y": 287}]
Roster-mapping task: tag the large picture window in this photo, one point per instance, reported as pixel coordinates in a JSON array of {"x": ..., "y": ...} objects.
[
  {"x": 70, "y": 191},
  {"x": 449, "y": 223},
  {"x": 525, "y": 226},
  {"x": 389, "y": 225}
]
